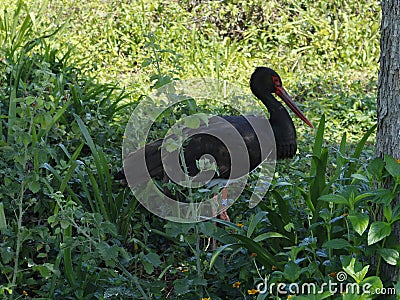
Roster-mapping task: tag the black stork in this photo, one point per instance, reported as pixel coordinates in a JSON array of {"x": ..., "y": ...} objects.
[{"x": 264, "y": 82}]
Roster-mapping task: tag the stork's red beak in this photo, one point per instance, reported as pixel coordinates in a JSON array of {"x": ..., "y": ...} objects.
[{"x": 281, "y": 92}]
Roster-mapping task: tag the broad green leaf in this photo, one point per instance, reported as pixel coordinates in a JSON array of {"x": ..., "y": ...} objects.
[
  {"x": 354, "y": 268},
  {"x": 393, "y": 167},
  {"x": 337, "y": 199},
  {"x": 374, "y": 284},
  {"x": 148, "y": 267},
  {"x": 292, "y": 271},
  {"x": 337, "y": 244},
  {"x": 378, "y": 231},
  {"x": 359, "y": 221},
  {"x": 182, "y": 286},
  {"x": 45, "y": 270},
  {"x": 375, "y": 167},
  {"x": 357, "y": 276},
  {"x": 192, "y": 122},
  {"x": 391, "y": 256},
  {"x": 64, "y": 224},
  {"x": 153, "y": 258},
  {"x": 387, "y": 213},
  {"x": 395, "y": 214},
  {"x": 171, "y": 145},
  {"x": 34, "y": 186}
]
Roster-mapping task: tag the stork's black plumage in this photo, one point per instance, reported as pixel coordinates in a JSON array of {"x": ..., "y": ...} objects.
[{"x": 263, "y": 83}]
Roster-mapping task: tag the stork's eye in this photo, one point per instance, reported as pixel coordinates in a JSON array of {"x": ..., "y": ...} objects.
[{"x": 276, "y": 80}]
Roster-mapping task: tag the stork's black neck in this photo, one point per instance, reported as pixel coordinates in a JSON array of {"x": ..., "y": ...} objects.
[{"x": 282, "y": 126}]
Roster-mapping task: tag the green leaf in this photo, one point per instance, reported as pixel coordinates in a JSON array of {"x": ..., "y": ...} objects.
[
  {"x": 269, "y": 235},
  {"x": 353, "y": 296},
  {"x": 360, "y": 177},
  {"x": 192, "y": 122},
  {"x": 283, "y": 205},
  {"x": 319, "y": 138},
  {"x": 393, "y": 167},
  {"x": 182, "y": 286},
  {"x": 263, "y": 255},
  {"x": 375, "y": 284},
  {"x": 395, "y": 214},
  {"x": 352, "y": 269},
  {"x": 337, "y": 199},
  {"x": 64, "y": 224},
  {"x": 34, "y": 186},
  {"x": 150, "y": 261},
  {"x": 7, "y": 255},
  {"x": 217, "y": 253},
  {"x": 146, "y": 62},
  {"x": 171, "y": 145},
  {"x": 382, "y": 196},
  {"x": 254, "y": 220},
  {"x": 391, "y": 256},
  {"x": 148, "y": 267},
  {"x": 378, "y": 231},
  {"x": 358, "y": 150},
  {"x": 108, "y": 253},
  {"x": 361, "y": 197},
  {"x": 204, "y": 117},
  {"x": 375, "y": 167},
  {"x": 337, "y": 244},
  {"x": 318, "y": 186},
  {"x": 387, "y": 213},
  {"x": 45, "y": 270},
  {"x": 173, "y": 229},
  {"x": 292, "y": 271},
  {"x": 153, "y": 258},
  {"x": 3, "y": 222},
  {"x": 359, "y": 221}
]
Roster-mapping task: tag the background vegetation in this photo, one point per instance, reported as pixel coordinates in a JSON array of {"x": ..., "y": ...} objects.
[{"x": 71, "y": 74}]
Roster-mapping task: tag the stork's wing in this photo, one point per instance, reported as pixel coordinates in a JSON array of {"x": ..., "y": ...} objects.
[{"x": 234, "y": 143}]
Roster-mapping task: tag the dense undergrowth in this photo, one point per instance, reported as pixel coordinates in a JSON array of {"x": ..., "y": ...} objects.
[{"x": 72, "y": 74}]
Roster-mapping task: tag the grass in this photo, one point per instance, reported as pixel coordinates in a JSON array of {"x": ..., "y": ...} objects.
[
  {"x": 71, "y": 76},
  {"x": 325, "y": 53}
]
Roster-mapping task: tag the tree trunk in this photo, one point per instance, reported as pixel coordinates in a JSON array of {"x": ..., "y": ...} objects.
[{"x": 388, "y": 109}]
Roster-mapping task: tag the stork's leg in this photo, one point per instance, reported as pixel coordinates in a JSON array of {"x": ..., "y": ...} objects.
[{"x": 223, "y": 215}]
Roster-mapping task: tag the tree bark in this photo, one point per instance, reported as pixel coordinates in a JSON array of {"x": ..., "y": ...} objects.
[{"x": 388, "y": 108}]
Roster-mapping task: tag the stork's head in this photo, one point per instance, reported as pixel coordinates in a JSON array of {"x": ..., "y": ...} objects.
[{"x": 265, "y": 81}]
